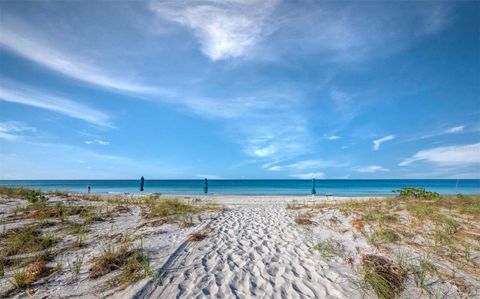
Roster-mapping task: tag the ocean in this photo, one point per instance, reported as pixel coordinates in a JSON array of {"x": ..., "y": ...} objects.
[{"x": 252, "y": 187}]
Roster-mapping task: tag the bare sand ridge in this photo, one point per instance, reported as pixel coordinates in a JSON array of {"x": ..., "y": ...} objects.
[{"x": 253, "y": 251}]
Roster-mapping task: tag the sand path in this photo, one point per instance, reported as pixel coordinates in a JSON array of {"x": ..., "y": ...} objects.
[{"x": 253, "y": 251}]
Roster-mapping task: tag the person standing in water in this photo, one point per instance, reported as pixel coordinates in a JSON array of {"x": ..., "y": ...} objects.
[{"x": 88, "y": 189}]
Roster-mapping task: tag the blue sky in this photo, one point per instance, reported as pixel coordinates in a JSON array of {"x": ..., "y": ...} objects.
[{"x": 239, "y": 89}]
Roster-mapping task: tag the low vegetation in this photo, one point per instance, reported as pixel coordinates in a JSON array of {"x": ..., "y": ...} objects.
[
  {"x": 382, "y": 276},
  {"x": 30, "y": 195},
  {"x": 26, "y": 239},
  {"x": 431, "y": 226},
  {"x": 133, "y": 262}
]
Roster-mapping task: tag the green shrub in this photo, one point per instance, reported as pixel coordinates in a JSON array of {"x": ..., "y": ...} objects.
[{"x": 420, "y": 193}]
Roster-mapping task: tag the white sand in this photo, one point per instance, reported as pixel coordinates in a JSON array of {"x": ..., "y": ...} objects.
[{"x": 253, "y": 251}]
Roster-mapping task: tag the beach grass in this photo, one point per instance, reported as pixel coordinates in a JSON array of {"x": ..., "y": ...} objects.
[
  {"x": 26, "y": 239},
  {"x": 440, "y": 227},
  {"x": 133, "y": 262}
]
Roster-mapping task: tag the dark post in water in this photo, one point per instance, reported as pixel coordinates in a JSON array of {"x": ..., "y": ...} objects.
[{"x": 142, "y": 183}]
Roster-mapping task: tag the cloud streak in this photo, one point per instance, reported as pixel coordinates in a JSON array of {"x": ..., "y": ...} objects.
[
  {"x": 370, "y": 169},
  {"x": 310, "y": 175},
  {"x": 447, "y": 155},
  {"x": 23, "y": 40},
  {"x": 13, "y": 130},
  {"x": 378, "y": 142},
  {"x": 29, "y": 97}
]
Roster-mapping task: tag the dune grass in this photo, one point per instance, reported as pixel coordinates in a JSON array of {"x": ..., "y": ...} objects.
[
  {"x": 31, "y": 195},
  {"x": 26, "y": 239},
  {"x": 174, "y": 210},
  {"x": 443, "y": 227},
  {"x": 133, "y": 262}
]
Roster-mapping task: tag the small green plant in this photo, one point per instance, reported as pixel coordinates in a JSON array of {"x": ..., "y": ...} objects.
[
  {"x": 58, "y": 266},
  {"x": 451, "y": 226},
  {"x": 390, "y": 235},
  {"x": 467, "y": 251},
  {"x": 76, "y": 265},
  {"x": 372, "y": 238},
  {"x": 19, "y": 278},
  {"x": 403, "y": 260},
  {"x": 2, "y": 269},
  {"x": 420, "y": 271},
  {"x": 440, "y": 237},
  {"x": 80, "y": 241}
]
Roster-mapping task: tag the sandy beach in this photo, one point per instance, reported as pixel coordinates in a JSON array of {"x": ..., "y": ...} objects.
[{"x": 225, "y": 247}]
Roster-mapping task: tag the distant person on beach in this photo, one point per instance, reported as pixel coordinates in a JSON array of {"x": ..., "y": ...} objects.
[{"x": 88, "y": 189}]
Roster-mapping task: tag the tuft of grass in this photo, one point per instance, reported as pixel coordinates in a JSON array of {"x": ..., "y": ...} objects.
[
  {"x": 25, "y": 240},
  {"x": 390, "y": 235},
  {"x": 451, "y": 226},
  {"x": 372, "y": 238},
  {"x": 2, "y": 269},
  {"x": 133, "y": 262},
  {"x": 135, "y": 268},
  {"x": 382, "y": 276},
  {"x": 76, "y": 265},
  {"x": 19, "y": 279}
]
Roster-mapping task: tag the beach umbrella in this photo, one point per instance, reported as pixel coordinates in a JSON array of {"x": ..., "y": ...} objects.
[
  {"x": 205, "y": 187},
  {"x": 314, "y": 191},
  {"x": 142, "y": 183}
]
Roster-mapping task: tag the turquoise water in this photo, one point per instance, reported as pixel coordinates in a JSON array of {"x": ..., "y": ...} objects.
[{"x": 253, "y": 187}]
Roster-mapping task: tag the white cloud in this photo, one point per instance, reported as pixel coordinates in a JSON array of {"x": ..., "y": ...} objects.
[
  {"x": 454, "y": 130},
  {"x": 370, "y": 169},
  {"x": 310, "y": 175},
  {"x": 378, "y": 142},
  {"x": 333, "y": 137},
  {"x": 265, "y": 151},
  {"x": 448, "y": 155},
  {"x": 25, "y": 96},
  {"x": 97, "y": 141},
  {"x": 26, "y": 41},
  {"x": 225, "y": 29}
]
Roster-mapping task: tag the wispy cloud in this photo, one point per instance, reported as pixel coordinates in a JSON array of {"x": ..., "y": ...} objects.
[
  {"x": 310, "y": 175},
  {"x": 224, "y": 29},
  {"x": 333, "y": 137},
  {"x": 26, "y": 41},
  {"x": 447, "y": 155},
  {"x": 14, "y": 130},
  {"x": 378, "y": 142},
  {"x": 26, "y": 96},
  {"x": 97, "y": 141},
  {"x": 454, "y": 130},
  {"x": 302, "y": 165},
  {"x": 370, "y": 169}
]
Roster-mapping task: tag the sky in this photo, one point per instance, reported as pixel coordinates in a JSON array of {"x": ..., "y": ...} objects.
[{"x": 239, "y": 89}]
